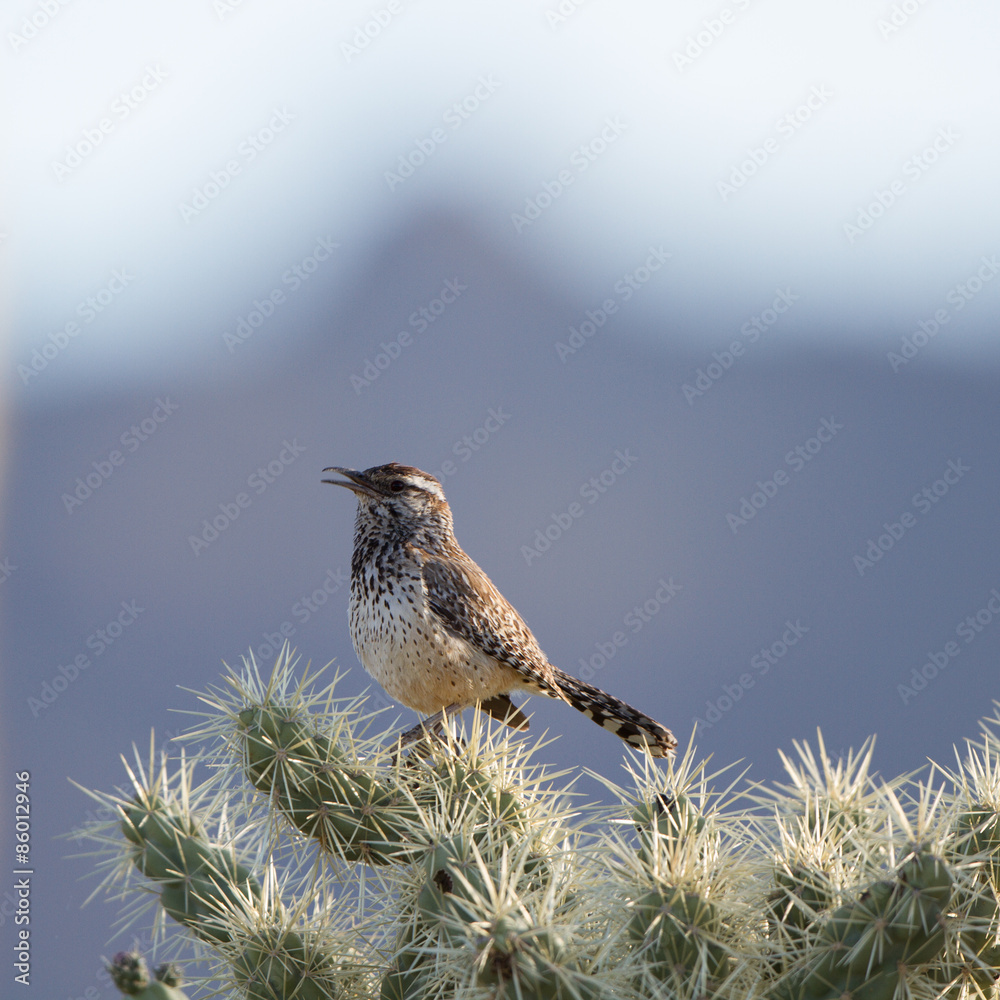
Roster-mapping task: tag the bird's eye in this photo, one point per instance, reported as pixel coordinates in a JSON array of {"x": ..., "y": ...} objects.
[{"x": 397, "y": 486}]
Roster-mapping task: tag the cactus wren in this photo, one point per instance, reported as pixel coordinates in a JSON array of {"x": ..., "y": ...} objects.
[{"x": 431, "y": 628}]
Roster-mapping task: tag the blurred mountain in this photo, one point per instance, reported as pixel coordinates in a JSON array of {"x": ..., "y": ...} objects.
[{"x": 781, "y": 552}]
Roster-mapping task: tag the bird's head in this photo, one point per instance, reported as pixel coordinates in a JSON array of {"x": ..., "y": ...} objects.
[{"x": 397, "y": 492}]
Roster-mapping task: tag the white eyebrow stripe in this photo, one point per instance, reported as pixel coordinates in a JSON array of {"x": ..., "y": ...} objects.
[{"x": 430, "y": 485}]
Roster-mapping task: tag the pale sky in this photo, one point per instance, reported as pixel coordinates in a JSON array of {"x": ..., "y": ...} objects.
[{"x": 848, "y": 151}]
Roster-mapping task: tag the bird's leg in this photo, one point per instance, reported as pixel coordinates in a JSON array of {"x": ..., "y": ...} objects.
[{"x": 425, "y": 729}]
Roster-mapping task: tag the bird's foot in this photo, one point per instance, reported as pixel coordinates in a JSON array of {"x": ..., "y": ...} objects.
[{"x": 425, "y": 735}]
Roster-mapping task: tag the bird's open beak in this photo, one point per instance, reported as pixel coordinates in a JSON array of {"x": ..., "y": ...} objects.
[{"x": 358, "y": 483}]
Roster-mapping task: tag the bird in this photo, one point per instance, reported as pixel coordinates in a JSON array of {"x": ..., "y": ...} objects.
[{"x": 431, "y": 628}]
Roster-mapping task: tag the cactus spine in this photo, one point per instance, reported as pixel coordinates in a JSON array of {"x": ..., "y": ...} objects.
[{"x": 309, "y": 863}]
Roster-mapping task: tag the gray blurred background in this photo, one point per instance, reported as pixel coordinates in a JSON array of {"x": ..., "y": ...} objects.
[{"x": 222, "y": 223}]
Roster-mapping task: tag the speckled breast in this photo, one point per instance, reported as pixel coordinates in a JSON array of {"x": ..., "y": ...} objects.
[{"x": 403, "y": 645}]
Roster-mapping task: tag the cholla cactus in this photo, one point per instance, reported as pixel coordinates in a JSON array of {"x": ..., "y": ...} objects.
[
  {"x": 130, "y": 974},
  {"x": 309, "y": 862},
  {"x": 883, "y": 889}
]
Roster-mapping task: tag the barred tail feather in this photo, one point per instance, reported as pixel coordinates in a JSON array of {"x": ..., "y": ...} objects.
[{"x": 623, "y": 720}]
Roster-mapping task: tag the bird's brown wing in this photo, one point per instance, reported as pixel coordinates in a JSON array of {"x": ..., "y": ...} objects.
[{"x": 465, "y": 601}]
